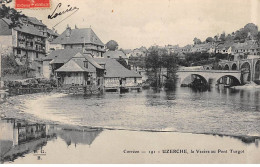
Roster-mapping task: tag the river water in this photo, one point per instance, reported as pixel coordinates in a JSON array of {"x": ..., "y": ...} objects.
[{"x": 218, "y": 111}]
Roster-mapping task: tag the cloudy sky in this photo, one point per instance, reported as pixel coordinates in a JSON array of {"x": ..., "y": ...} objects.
[{"x": 135, "y": 23}]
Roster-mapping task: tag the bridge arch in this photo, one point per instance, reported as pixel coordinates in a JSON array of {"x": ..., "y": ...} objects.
[
  {"x": 234, "y": 81},
  {"x": 234, "y": 66},
  {"x": 192, "y": 77},
  {"x": 246, "y": 72},
  {"x": 257, "y": 70},
  {"x": 226, "y": 67},
  {"x": 219, "y": 67}
]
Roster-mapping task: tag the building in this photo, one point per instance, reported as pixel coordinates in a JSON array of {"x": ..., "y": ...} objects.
[
  {"x": 28, "y": 43},
  {"x": 127, "y": 52},
  {"x": 117, "y": 76},
  {"x": 138, "y": 52},
  {"x": 117, "y": 54},
  {"x": 51, "y": 35},
  {"x": 56, "y": 59},
  {"x": 81, "y": 70},
  {"x": 84, "y": 38}
]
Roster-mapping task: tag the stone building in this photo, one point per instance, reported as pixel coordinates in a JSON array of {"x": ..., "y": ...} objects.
[{"x": 84, "y": 38}]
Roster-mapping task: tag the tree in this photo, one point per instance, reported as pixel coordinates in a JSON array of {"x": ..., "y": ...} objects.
[
  {"x": 209, "y": 39},
  {"x": 223, "y": 36},
  {"x": 196, "y": 41},
  {"x": 112, "y": 45},
  {"x": 229, "y": 38},
  {"x": 258, "y": 38},
  {"x": 123, "y": 62},
  {"x": 153, "y": 65},
  {"x": 170, "y": 63},
  {"x": 250, "y": 29},
  {"x": 12, "y": 14},
  {"x": 216, "y": 37}
]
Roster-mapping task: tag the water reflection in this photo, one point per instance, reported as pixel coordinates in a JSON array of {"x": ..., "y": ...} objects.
[{"x": 19, "y": 137}]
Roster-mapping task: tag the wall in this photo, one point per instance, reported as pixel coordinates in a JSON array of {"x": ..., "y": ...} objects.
[
  {"x": 53, "y": 46},
  {"x": 46, "y": 69},
  {"x": 112, "y": 82},
  {"x": 4, "y": 28},
  {"x": 14, "y": 38},
  {"x": 6, "y": 41},
  {"x": 74, "y": 78},
  {"x": 131, "y": 81}
]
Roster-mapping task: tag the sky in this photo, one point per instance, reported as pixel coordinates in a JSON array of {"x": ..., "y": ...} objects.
[{"x": 136, "y": 23}]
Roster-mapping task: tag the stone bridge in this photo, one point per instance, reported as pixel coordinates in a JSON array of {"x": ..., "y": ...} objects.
[
  {"x": 209, "y": 76},
  {"x": 251, "y": 66}
]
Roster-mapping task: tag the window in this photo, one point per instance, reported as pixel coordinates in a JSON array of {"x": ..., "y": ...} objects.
[
  {"x": 135, "y": 80},
  {"x": 86, "y": 64},
  {"x": 37, "y": 56},
  {"x": 18, "y": 51}
]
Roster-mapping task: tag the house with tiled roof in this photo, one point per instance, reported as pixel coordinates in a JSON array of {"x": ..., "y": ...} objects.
[
  {"x": 56, "y": 59},
  {"x": 81, "y": 38},
  {"x": 225, "y": 48},
  {"x": 28, "y": 42},
  {"x": 116, "y": 54},
  {"x": 117, "y": 76},
  {"x": 80, "y": 70}
]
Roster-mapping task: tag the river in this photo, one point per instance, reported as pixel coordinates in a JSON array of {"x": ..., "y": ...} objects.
[
  {"x": 218, "y": 111},
  {"x": 221, "y": 125}
]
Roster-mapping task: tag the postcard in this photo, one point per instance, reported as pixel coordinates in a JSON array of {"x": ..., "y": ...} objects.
[{"x": 129, "y": 82}]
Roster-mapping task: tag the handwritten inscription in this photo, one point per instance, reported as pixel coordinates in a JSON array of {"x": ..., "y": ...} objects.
[{"x": 57, "y": 11}]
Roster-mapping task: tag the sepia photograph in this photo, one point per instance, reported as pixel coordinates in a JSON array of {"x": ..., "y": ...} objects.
[{"x": 129, "y": 81}]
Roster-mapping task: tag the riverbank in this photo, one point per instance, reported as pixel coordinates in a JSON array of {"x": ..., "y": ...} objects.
[{"x": 14, "y": 107}]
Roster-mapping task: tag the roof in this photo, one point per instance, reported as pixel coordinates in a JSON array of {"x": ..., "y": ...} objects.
[
  {"x": 62, "y": 55},
  {"x": 115, "y": 70},
  {"x": 78, "y": 36},
  {"x": 25, "y": 28},
  {"x": 114, "y": 54},
  {"x": 52, "y": 32},
  {"x": 35, "y": 21},
  {"x": 73, "y": 66}
]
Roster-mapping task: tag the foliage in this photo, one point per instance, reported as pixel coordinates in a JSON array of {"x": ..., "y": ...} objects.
[
  {"x": 196, "y": 41},
  {"x": 10, "y": 67},
  {"x": 12, "y": 14},
  {"x": 137, "y": 61},
  {"x": 112, "y": 45},
  {"x": 258, "y": 38},
  {"x": 157, "y": 60},
  {"x": 209, "y": 39},
  {"x": 223, "y": 36},
  {"x": 123, "y": 62}
]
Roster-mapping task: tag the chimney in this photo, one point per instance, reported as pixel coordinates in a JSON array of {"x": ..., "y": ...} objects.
[
  {"x": 76, "y": 26},
  {"x": 68, "y": 31}
]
